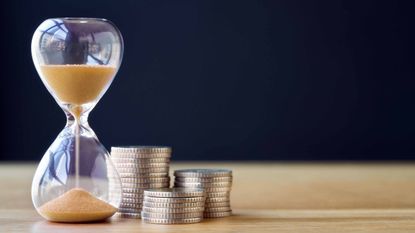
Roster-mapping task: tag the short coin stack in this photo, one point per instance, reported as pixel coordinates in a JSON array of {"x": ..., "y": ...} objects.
[
  {"x": 140, "y": 168},
  {"x": 173, "y": 205},
  {"x": 217, "y": 184}
]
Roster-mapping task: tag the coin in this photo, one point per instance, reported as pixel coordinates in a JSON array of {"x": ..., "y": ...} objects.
[
  {"x": 217, "y": 214},
  {"x": 141, "y": 170},
  {"x": 145, "y": 180},
  {"x": 133, "y": 195},
  {"x": 132, "y": 200},
  {"x": 217, "y": 199},
  {"x": 131, "y": 205},
  {"x": 173, "y": 210},
  {"x": 146, "y": 185},
  {"x": 141, "y": 149},
  {"x": 136, "y": 190},
  {"x": 204, "y": 179},
  {"x": 140, "y": 156},
  {"x": 141, "y": 165},
  {"x": 129, "y": 215},
  {"x": 143, "y": 175},
  {"x": 175, "y": 192},
  {"x": 174, "y": 199},
  {"x": 129, "y": 210},
  {"x": 140, "y": 161},
  {"x": 132, "y": 190},
  {"x": 171, "y": 221},
  {"x": 207, "y": 189},
  {"x": 202, "y": 185},
  {"x": 173, "y": 205},
  {"x": 218, "y": 204},
  {"x": 172, "y": 216},
  {"x": 218, "y": 209},
  {"x": 217, "y": 194},
  {"x": 217, "y": 189},
  {"x": 202, "y": 172}
]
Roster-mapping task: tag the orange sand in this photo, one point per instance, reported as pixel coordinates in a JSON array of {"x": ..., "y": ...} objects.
[
  {"x": 76, "y": 205},
  {"x": 77, "y": 84}
]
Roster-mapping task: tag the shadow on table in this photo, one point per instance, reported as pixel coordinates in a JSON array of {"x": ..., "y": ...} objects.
[{"x": 45, "y": 226}]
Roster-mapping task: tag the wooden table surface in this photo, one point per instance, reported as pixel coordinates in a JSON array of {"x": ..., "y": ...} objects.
[{"x": 266, "y": 197}]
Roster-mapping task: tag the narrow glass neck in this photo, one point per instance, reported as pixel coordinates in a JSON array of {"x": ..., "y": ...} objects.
[
  {"x": 81, "y": 120},
  {"x": 77, "y": 114}
]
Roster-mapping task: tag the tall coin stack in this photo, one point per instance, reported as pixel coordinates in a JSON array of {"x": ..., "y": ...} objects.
[
  {"x": 173, "y": 205},
  {"x": 140, "y": 168},
  {"x": 217, "y": 184}
]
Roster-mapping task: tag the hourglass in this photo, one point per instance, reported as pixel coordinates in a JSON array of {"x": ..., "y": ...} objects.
[{"x": 77, "y": 59}]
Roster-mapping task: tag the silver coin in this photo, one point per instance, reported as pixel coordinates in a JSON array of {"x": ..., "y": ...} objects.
[
  {"x": 141, "y": 149},
  {"x": 173, "y": 205},
  {"x": 217, "y": 214},
  {"x": 207, "y": 190},
  {"x": 135, "y": 190},
  {"x": 172, "y": 216},
  {"x": 218, "y": 204},
  {"x": 174, "y": 199},
  {"x": 135, "y": 202},
  {"x": 145, "y": 180},
  {"x": 202, "y": 185},
  {"x": 140, "y": 161},
  {"x": 129, "y": 215},
  {"x": 217, "y": 189},
  {"x": 217, "y": 199},
  {"x": 129, "y": 210},
  {"x": 142, "y": 170},
  {"x": 140, "y": 156},
  {"x": 218, "y": 194},
  {"x": 217, "y": 209},
  {"x": 202, "y": 172},
  {"x": 138, "y": 191},
  {"x": 175, "y": 192},
  {"x": 173, "y": 210},
  {"x": 143, "y": 175},
  {"x": 171, "y": 221},
  {"x": 138, "y": 171},
  {"x": 203, "y": 179},
  {"x": 133, "y": 195},
  {"x": 140, "y": 165},
  {"x": 130, "y": 206},
  {"x": 146, "y": 185},
  {"x": 132, "y": 200},
  {"x": 136, "y": 196}
]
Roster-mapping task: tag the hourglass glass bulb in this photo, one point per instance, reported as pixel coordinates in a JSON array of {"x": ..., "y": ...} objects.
[{"x": 77, "y": 59}]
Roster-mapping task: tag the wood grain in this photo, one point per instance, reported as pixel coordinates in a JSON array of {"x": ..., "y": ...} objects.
[{"x": 266, "y": 197}]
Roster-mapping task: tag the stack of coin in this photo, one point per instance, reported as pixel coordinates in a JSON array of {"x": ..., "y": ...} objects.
[
  {"x": 217, "y": 184},
  {"x": 173, "y": 205},
  {"x": 140, "y": 168}
]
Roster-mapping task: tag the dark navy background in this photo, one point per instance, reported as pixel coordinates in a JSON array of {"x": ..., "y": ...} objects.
[{"x": 224, "y": 80}]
